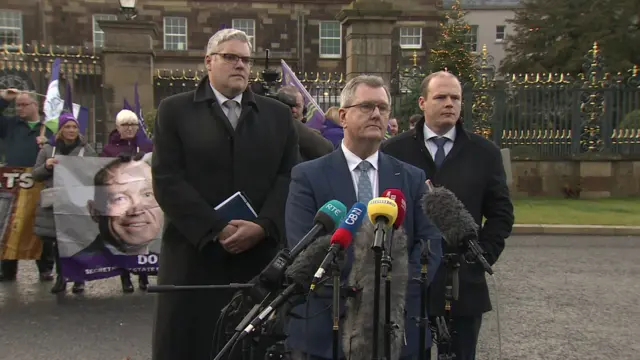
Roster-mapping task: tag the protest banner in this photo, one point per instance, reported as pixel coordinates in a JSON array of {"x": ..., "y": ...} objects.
[
  {"x": 107, "y": 218},
  {"x": 19, "y": 195}
]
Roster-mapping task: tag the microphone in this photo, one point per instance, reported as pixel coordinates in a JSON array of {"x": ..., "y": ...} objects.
[
  {"x": 458, "y": 227},
  {"x": 299, "y": 274},
  {"x": 357, "y": 335},
  {"x": 341, "y": 239},
  {"x": 382, "y": 212},
  {"x": 398, "y": 197},
  {"x": 271, "y": 277}
]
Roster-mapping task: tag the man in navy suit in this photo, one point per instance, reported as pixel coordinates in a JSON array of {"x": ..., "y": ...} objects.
[{"x": 357, "y": 171}]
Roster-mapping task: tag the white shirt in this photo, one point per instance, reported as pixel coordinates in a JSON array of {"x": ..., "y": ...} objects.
[
  {"x": 431, "y": 145},
  {"x": 221, "y": 99},
  {"x": 353, "y": 161}
]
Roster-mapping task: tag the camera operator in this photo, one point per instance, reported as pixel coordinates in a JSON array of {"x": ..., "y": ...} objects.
[{"x": 312, "y": 144}]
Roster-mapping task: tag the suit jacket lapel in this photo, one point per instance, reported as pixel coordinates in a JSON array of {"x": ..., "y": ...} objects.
[
  {"x": 388, "y": 174},
  {"x": 340, "y": 180}
]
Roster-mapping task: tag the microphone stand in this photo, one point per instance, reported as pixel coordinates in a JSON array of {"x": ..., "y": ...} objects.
[
  {"x": 387, "y": 267},
  {"x": 335, "y": 272},
  {"x": 424, "y": 296},
  {"x": 378, "y": 248},
  {"x": 452, "y": 265}
]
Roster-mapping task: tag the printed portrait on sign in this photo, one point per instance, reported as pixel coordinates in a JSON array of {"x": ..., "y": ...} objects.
[{"x": 114, "y": 222}]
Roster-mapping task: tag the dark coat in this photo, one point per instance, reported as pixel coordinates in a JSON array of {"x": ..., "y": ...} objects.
[
  {"x": 311, "y": 143},
  {"x": 116, "y": 145},
  {"x": 21, "y": 148},
  {"x": 474, "y": 172},
  {"x": 198, "y": 162},
  {"x": 314, "y": 183}
]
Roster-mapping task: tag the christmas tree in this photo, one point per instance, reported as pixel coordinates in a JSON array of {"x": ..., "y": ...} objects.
[{"x": 451, "y": 52}]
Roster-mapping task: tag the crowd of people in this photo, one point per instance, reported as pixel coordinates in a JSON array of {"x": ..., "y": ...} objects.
[
  {"x": 28, "y": 143},
  {"x": 222, "y": 138}
]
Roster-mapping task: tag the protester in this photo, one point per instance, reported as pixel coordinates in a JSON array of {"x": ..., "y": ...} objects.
[
  {"x": 208, "y": 144},
  {"x": 413, "y": 120},
  {"x": 68, "y": 142},
  {"x": 471, "y": 167},
  {"x": 128, "y": 138},
  {"x": 332, "y": 130},
  {"x": 21, "y": 134},
  {"x": 311, "y": 143}
]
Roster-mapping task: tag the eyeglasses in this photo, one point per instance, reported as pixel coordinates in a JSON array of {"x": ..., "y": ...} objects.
[
  {"x": 129, "y": 125},
  {"x": 368, "y": 107},
  {"x": 233, "y": 58}
]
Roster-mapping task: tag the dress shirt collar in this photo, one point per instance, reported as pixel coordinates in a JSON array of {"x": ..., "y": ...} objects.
[
  {"x": 428, "y": 133},
  {"x": 354, "y": 160},
  {"x": 221, "y": 98}
]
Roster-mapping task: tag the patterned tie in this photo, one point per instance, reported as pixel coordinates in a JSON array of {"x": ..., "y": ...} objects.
[
  {"x": 365, "y": 190},
  {"x": 440, "y": 154},
  {"x": 232, "y": 115}
]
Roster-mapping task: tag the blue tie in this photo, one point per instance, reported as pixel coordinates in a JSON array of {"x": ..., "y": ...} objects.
[
  {"x": 440, "y": 154},
  {"x": 365, "y": 189}
]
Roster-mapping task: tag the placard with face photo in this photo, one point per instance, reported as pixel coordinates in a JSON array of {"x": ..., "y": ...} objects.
[{"x": 107, "y": 218}]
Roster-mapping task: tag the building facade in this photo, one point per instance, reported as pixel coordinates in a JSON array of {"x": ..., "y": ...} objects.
[
  {"x": 489, "y": 21},
  {"x": 305, "y": 33}
]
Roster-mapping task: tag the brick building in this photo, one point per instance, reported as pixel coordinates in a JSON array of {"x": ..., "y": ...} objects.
[
  {"x": 162, "y": 49},
  {"x": 305, "y": 33}
]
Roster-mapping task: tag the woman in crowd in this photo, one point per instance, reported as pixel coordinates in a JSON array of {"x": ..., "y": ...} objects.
[
  {"x": 332, "y": 129},
  {"x": 69, "y": 142},
  {"x": 128, "y": 138}
]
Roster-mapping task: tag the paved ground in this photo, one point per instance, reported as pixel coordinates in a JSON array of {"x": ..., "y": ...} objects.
[{"x": 560, "y": 298}]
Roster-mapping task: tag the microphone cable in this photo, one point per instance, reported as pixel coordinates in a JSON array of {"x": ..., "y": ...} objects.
[{"x": 496, "y": 285}]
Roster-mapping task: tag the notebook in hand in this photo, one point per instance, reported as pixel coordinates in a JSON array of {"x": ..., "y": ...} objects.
[{"x": 236, "y": 207}]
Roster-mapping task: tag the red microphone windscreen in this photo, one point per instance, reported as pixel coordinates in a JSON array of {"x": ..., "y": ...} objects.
[
  {"x": 342, "y": 237},
  {"x": 397, "y": 196}
]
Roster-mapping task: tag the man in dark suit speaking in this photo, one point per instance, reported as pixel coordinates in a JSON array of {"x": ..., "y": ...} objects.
[
  {"x": 208, "y": 144},
  {"x": 357, "y": 171}
]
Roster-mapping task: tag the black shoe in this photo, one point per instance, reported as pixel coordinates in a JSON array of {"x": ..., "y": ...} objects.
[
  {"x": 59, "y": 286},
  {"x": 78, "y": 287},
  {"x": 4, "y": 278},
  {"x": 127, "y": 286},
  {"x": 143, "y": 281},
  {"x": 46, "y": 276}
]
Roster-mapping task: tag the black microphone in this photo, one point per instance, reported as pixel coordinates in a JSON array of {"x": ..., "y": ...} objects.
[
  {"x": 458, "y": 227},
  {"x": 357, "y": 333},
  {"x": 300, "y": 274},
  {"x": 270, "y": 279}
]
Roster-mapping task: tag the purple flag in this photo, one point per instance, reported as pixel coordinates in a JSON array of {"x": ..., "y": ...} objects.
[
  {"x": 126, "y": 105},
  {"x": 315, "y": 116}
]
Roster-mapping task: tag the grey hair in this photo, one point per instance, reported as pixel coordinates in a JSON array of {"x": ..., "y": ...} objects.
[
  {"x": 126, "y": 116},
  {"x": 349, "y": 90},
  {"x": 289, "y": 90},
  {"x": 225, "y": 35}
]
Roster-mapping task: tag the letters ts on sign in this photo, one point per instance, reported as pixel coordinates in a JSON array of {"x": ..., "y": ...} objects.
[{"x": 11, "y": 179}]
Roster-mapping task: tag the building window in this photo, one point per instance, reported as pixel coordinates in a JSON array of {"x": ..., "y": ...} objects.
[
  {"x": 411, "y": 37},
  {"x": 330, "y": 39},
  {"x": 471, "y": 39},
  {"x": 500, "y": 33},
  {"x": 10, "y": 27},
  {"x": 175, "y": 33},
  {"x": 98, "y": 34},
  {"x": 249, "y": 27}
]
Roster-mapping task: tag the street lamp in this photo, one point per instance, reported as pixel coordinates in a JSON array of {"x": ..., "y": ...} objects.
[{"x": 128, "y": 8}]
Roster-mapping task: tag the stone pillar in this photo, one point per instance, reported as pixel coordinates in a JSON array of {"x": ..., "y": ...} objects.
[
  {"x": 370, "y": 26},
  {"x": 127, "y": 59}
]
